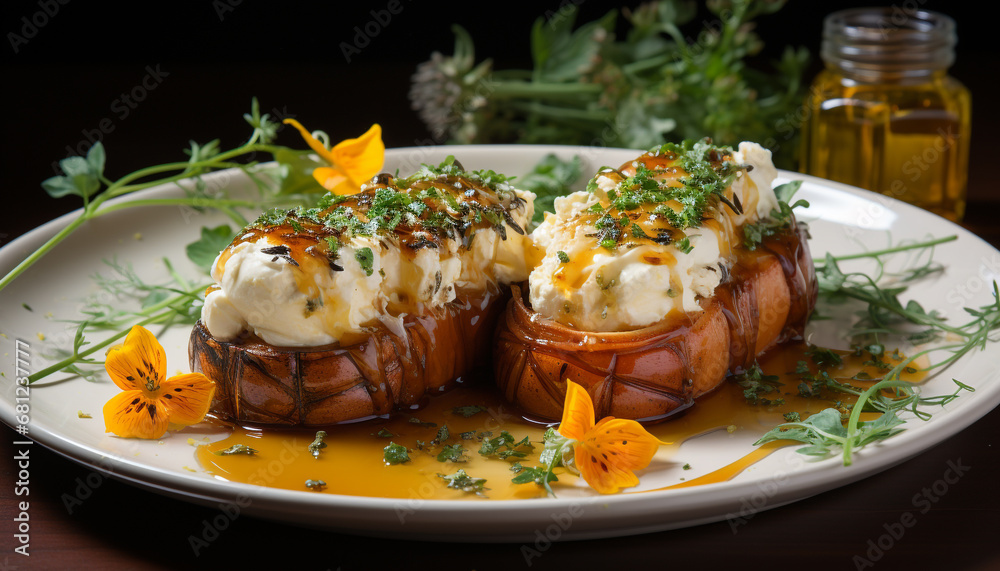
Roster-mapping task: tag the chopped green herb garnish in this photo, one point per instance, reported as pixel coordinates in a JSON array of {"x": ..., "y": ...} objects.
[
  {"x": 778, "y": 220},
  {"x": 462, "y": 481},
  {"x": 313, "y": 304},
  {"x": 505, "y": 446},
  {"x": 317, "y": 444},
  {"x": 810, "y": 389},
  {"x": 755, "y": 383},
  {"x": 442, "y": 434},
  {"x": 563, "y": 257},
  {"x": 452, "y": 453},
  {"x": 468, "y": 411},
  {"x": 315, "y": 485},
  {"x": 550, "y": 459},
  {"x": 395, "y": 454},
  {"x": 824, "y": 357},
  {"x": 708, "y": 172},
  {"x": 366, "y": 259},
  {"x": 540, "y": 475},
  {"x": 237, "y": 449},
  {"x": 684, "y": 245},
  {"x": 602, "y": 283},
  {"x": 384, "y": 433}
]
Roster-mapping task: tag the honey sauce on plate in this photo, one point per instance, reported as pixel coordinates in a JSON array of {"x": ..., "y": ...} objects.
[{"x": 353, "y": 460}]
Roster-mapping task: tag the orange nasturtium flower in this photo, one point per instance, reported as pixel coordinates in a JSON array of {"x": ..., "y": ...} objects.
[
  {"x": 352, "y": 161},
  {"x": 606, "y": 454},
  {"x": 150, "y": 402}
]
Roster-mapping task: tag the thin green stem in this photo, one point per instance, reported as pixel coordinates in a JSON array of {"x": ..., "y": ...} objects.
[
  {"x": 178, "y": 279},
  {"x": 921, "y": 319},
  {"x": 536, "y": 91},
  {"x": 649, "y": 63},
  {"x": 37, "y": 254},
  {"x": 79, "y": 356},
  {"x": 233, "y": 215},
  {"x": 196, "y": 202},
  {"x": 893, "y": 250},
  {"x": 188, "y": 169},
  {"x": 852, "y": 421},
  {"x": 562, "y": 112},
  {"x": 121, "y": 186}
]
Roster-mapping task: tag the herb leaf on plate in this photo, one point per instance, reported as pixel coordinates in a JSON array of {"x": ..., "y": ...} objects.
[{"x": 213, "y": 240}]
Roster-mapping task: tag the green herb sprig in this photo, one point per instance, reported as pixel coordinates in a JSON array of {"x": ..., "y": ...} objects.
[
  {"x": 164, "y": 305},
  {"x": 664, "y": 78},
  {"x": 237, "y": 449},
  {"x": 318, "y": 444},
  {"x": 778, "y": 220},
  {"x": 86, "y": 178},
  {"x": 549, "y": 179},
  {"x": 885, "y": 316},
  {"x": 557, "y": 452},
  {"x": 703, "y": 185},
  {"x": 460, "y": 480}
]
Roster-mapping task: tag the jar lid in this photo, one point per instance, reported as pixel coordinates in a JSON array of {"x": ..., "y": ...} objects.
[{"x": 873, "y": 44}]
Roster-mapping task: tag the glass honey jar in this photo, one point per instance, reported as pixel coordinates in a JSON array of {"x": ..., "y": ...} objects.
[{"x": 884, "y": 115}]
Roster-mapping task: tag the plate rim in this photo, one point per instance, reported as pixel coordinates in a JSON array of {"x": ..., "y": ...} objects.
[{"x": 199, "y": 489}]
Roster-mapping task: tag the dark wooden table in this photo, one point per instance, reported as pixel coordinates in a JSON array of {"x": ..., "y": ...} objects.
[{"x": 65, "y": 81}]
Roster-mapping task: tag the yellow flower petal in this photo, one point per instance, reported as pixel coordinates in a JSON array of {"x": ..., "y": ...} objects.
[
  {"x": 609, "y": 454},
  {"x": 138, "y": 363},
  {"x": 361, "y": 158},
  {"x": 187, "y": 398},
  {"x": 150, "y": 404},
  {"x": 352, "y": 161},
  {"x": 578, "y": 412},
  {"x": 313, "y": 142},
  {"x": 131, "y": 414},
  {"x": 334, "y": 180}
]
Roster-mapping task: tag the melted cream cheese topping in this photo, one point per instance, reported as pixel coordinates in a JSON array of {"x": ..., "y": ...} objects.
[
  {"x": 603, "y": 290},
  {"x": 308, "y": 305}
]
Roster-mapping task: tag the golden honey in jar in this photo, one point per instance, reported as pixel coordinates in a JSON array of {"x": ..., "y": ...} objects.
[{"x": 884, "y": 114}]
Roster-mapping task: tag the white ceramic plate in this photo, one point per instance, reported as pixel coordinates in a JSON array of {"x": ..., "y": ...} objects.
[{"x": 841, "y": 219}]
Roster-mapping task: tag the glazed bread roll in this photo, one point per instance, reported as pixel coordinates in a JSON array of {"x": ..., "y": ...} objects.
[
  {"x": 667, "y": 275},
  {"x": 365, "y": 303}
]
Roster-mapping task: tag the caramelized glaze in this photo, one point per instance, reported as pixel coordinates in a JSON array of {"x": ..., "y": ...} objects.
[
  {"x": 353, "y": 463},
  {"x": 468, "y": 205},
  {"x": 383, "y": 372},
  {"x": 657, "y": 371},
  {"x": 656, "y": 210},
  {"x": 396, "y": 358}
]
